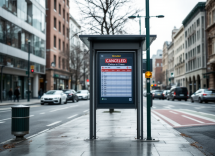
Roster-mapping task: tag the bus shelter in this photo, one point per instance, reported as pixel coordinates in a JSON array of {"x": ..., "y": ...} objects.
[{"x": 116, "y": 75}]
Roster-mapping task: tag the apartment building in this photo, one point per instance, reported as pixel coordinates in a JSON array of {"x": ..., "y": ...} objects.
[
  {"x": 210, "y": 39},
  {"x": 165, "y": 65},
  {"x": 57, "y": 46},
  {"x": 157, "y": 66},
  {"x": 22, "y": 21},
  {"x": 195, "y": 51},
  {"x": 179, "y": 58}
]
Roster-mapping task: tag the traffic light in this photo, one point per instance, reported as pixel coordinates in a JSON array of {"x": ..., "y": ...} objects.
[
  {"x": 32, "y": 68},
  {"x": 152, "y": 85},
  {"x": 155, "y": 85}
]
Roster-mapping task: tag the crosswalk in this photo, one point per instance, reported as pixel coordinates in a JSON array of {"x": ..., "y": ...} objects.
[{"x": 184, "y": 117}]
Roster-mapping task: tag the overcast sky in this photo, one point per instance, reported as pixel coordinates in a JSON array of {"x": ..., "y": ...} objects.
[{"x": 174, "y": 11}]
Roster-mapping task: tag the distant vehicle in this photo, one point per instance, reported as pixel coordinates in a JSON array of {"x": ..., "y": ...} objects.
[
  {"x": 54, "y": 96},
  {"x": 165, "y": 93},
  {"x": 144, "y": 93},
  {"x": 71, "y": 95},
  {"x": 83, "y": 94},
  {"x": 157, "y": 94},
  {"x": 179, "y": 93},
  {"x": 203, "y": 95}
]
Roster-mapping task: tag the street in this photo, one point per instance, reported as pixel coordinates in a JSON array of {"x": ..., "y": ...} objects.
[
  {"x": 195, "y": 120},
  {"x": 42, "y": 117}
]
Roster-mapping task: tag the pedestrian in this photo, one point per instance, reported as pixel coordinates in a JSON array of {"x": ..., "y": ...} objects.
[
  {"x": 40, "y": 93},
  {"x": 10, "y": 94},
  {"x": 190, "y": 93},
  {"x": 16, "y": 94}
]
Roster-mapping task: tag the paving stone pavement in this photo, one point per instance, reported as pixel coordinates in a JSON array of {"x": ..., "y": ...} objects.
[{"x": 116, "y": 137}]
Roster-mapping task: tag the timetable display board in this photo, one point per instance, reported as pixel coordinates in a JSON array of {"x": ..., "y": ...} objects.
[{"x": 116, "y": 75}]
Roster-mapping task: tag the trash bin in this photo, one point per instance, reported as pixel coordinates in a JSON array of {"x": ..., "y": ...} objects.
[{"x": 20, "y": 120}]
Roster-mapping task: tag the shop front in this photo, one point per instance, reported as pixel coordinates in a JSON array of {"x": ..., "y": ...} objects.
[
  {"x": 12, "y": 81},
  {"x": 61, "y": 82}
]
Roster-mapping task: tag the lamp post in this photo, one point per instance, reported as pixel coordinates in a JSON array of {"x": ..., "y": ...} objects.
[
  {"x": 29, "y": 42},
  {"x": 147, "y": 17}
]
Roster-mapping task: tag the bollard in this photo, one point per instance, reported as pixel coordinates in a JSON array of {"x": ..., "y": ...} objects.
[{"x": 20, "y": 120}]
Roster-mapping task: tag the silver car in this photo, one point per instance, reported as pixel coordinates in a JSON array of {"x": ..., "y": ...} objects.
[
  {"x": 83, "y": 94},
  {"x": 165, "y": 93},
  {"x": 205, "y": 95},
  {"x": 54, "y": 96}
]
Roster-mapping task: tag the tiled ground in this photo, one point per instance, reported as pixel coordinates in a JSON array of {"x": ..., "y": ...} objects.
[{"x": 116, "y": 137}]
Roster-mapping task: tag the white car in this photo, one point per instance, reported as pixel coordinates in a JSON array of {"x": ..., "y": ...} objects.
[
  {"x": 83, "y": 94},
  {"x": 54, "y": 96}
]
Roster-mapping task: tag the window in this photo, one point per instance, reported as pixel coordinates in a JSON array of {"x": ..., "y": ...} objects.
[
  {"x": 55, "y": 23},
  {"x": 59, "y": 9},
  {"x": 67, "y": 47},
  {"x": 198, "y": 49},
  {"x": 55, "y": 4},
  {"x": 67, "y": 32},
  {"x": 67, "y": 17},
  {"x": 63, "y": 30},
  {"x": 63, "y": 14},
  {"x": 67, "y": 2},
  {"x": 55, "y": 41},
  {"x": 63, "y": 46},
  {"x": 59, "y": 44},
  {"x": 59, "y": 62},
  {"x": 197, "y": 22},
  {"x": 59, "y": 26},
  {"x": 213, "y": 13},
  {"x": 161, "y": 64},
  {"x": 157, "y": 64},
  {"x": 63, "y": 62},
  {"x": 55, "y": 60}
]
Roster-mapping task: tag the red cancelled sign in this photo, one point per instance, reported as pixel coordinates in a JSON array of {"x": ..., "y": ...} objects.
[{"x": 121, "y": 60}]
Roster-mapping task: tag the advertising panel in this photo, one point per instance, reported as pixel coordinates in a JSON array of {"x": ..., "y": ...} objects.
[{"x": 116, "y": 75}]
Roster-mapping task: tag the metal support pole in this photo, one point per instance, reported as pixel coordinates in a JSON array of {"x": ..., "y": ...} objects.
[
  {"x": 1, "y": 81},
  {"x": 141, "y": 93},
  {"x": 29, "y": 70},
  {"x": 148, "y": 69},
  {"x": 84, "y": 75}
]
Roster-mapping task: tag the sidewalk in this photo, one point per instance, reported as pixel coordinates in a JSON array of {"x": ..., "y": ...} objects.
[
  {"x": 116, "y": 137},
  {"x": 21, "y": 102}
]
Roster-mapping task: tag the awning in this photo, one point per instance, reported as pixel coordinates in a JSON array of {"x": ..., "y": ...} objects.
[
  {"x": 87, "y": 38},
  {"x": 213, "y": 72}
]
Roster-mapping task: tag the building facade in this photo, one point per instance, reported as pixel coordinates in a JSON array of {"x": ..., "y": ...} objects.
[
  {"x": 179, "y": 61},
  {"x": 210, "y": 40},
  {"x": 57, "y": 46},
  {"x": 195, "y": 51},
  {"x": 156, "y": 63},
  {"x": 22, "y": 22},
  {"x": 165, "y": 65},
  {"x": 171, "y": 65}
]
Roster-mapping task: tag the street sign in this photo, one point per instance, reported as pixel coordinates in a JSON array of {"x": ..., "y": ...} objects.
[
  {"x": 148, "y": 74},
  {"x": 144, "y": 65},
  {"x": 32, "y": 66},
  {"x": 26, "y": 72}
]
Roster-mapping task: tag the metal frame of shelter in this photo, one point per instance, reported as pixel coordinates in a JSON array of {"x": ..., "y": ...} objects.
[{"x": 116, "y": 43}]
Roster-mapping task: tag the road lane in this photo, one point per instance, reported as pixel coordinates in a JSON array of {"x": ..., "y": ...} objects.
[{"x": 43, "y": 115}]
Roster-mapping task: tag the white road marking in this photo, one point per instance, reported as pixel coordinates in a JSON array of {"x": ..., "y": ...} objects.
[
  {"x": 5, "y": 111},
  {"x": 1, "y": 122},
  {"x": 198, "y": 107},
  {"x": 53, "y": 123},
  {"x": 31, "y": 115},
  {"x": 167, "y": 119},
  {"x": 154, "y": 107},
  {"x": 58, "y": 109},
  {"x": 192, "y": 119},
  {"x": 86, "y": 110},
  {"x": 72, "y": 116},
  {"x": 37, "y": 133},
  {"x": 5, "y": 119},
  {"x": 42, "y": 113},
  {"x": 173, "y": 112},
  {"x": 202, "y": 117}
]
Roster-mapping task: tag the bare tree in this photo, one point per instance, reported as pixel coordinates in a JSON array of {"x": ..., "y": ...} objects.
[{"x": 106, "y": 16}]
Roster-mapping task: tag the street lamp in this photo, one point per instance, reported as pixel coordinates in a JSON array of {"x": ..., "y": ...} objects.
[
  {"x": 147, "y": 17},
  {"x": 138, "y": 16}
]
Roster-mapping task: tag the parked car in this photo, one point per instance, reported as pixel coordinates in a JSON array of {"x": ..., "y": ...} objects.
[
  {"x": 167, "y": 96},
  {"x": 179, "y": 93},
  {"x": 54, "y": 96},
  {"x": 71, "y": 95},
  {"x": 203, "y": 95},
  {"x": 157, "y": 94},
  {"x": 83, "y": 94},
  {"x": 165, "y": 92}
]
